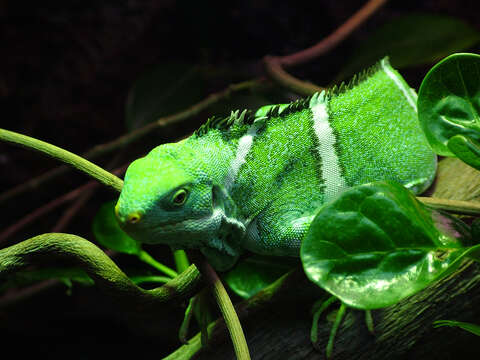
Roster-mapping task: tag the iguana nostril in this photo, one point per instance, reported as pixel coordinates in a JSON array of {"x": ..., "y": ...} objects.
[{"x": 134, "y": 218}]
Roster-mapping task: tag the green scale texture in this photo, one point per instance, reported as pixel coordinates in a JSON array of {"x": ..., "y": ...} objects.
[
  {"x": 386, "y": 144},
  {"x": 255, "y": 181},
  {"x": 282, "y": 164},
  {"x": 280, "y": 182}
]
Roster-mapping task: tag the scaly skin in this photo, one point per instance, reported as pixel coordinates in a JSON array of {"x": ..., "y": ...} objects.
[{"x": 255, "y": 181}]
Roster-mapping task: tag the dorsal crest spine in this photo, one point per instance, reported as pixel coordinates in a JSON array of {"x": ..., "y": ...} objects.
[{"x": 247, "y": 117}]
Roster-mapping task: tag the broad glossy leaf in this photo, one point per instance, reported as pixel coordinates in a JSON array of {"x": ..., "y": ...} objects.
[
  {"x": 411, "y": 40},
  {"x": 449, "y": 105},
  {"x": 376, "y": 244},
  {"x": 254, "y": 273},
  {"x": 163, "y": 90},
  {"x": 474, "y": 329},
  {"x": 108, "y": 232}
]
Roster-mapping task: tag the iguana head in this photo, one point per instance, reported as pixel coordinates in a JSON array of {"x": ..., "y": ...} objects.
[{"x": 166, "y": 198}]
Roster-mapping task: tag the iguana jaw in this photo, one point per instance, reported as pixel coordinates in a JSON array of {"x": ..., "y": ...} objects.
[{"x": 189, "y": 233}]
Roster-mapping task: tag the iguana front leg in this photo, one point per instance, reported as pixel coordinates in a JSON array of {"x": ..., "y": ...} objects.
[
  {"x": 223, "y": 249},
  {"x": 277, "y": 232}
]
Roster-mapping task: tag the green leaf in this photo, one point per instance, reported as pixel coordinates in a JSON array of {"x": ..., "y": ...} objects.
[
  {"x": 474, "y": 329},
  {"x": 411, "y": 40},
  {"x": 109, "y": 234},
  {"x": 164, "y": 90},
  {"x": 449, "y": 105},
  {"x": 254, "y": 273},
  {"x": 376, "y": 244},
  {"x": 466, "y": 149}
]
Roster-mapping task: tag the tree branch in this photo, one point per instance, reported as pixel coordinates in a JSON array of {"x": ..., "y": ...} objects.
[
  {"x": 335, "y": 38},
  {"x": 274, "y": 68},
  {"x": 104, "y": 272},
  {"x": 131, "y": 137},
  {"x": 273, "y": 64},
  {"x": 67, "y": 157},
  {"x": 45, "y": 209},
  {"x": 52, "y": 205}
]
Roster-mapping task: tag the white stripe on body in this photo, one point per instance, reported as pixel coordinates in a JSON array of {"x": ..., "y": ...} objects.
[
  {"x": 409, "y": 94},
  {"x": 331, "y": 173},
  {"x": 243, "y": 148}
]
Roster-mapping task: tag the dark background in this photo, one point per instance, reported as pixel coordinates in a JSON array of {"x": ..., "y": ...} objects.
[{"x": 66, "y": 70}]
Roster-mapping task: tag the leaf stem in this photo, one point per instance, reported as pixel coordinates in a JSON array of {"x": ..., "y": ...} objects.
[
  {"x": 228, "y": 312},
  {"x": 473, "y": 328},
  {"x": 322, "y": 306},
  {"x": 184, "y": 327},
  {"x": 369, "y": 321},
  {"x": 181, "y": 260},
  {"x": 190, "y": 348},
  {"x": 336, "y": 325},
  {"x": 454, "y": 206},
  {"x": 67, "y": 157},
  {"x": 148, "y": 259}
]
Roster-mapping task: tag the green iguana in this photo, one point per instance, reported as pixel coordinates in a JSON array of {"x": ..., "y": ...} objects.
[{"x": 254, "y": 181}]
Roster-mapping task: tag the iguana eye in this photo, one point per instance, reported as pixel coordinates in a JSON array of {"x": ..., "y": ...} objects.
[{"x": 180, "y": 197}]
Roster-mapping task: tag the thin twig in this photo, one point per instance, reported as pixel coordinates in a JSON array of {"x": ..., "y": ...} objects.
[
  {"x": 131, "y": 137},
  {"x": 11, "y": 298},
  {"x": 274, "y": 68},
  {"x": 274, "y": 64},
  {"x": 228, "y": 312},
  {"x": 68, "y": 215},
  {"x": 67, "y": 157},
  {"x": 334, "y": 38},
  {"x": 45, "y": 209},
  {"x": 52, "y": 205}
]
